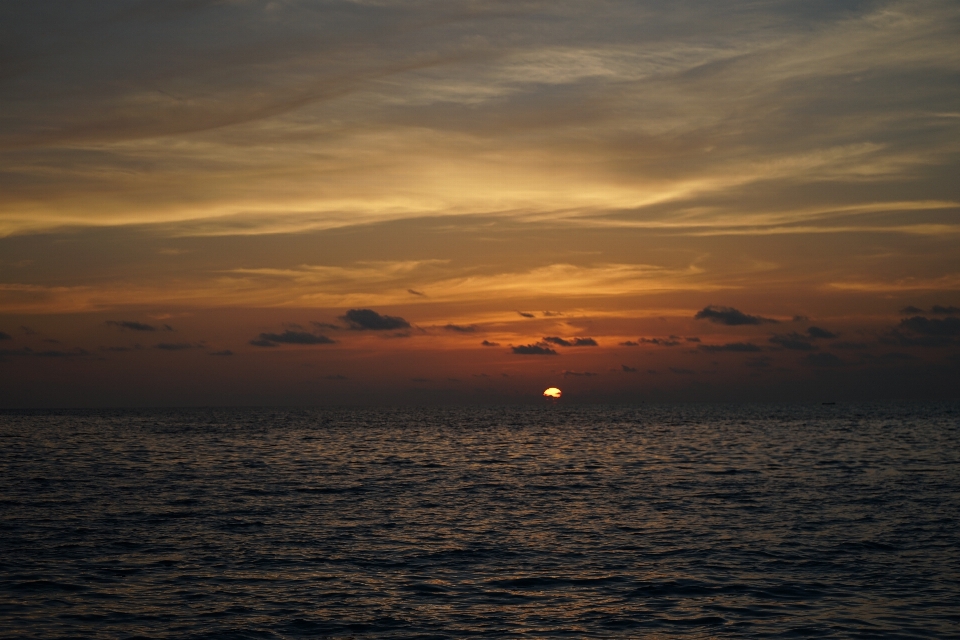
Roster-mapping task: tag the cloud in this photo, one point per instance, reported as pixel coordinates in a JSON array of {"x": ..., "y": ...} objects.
[
  {"x": 533, "y": 350},
  {"x": 225, "y": 352},
  {"x": 118, "y": 349},
  {"x": 823, "y": 360},
  {"x": 133, "y": 325},
  {"x": 850, "y": 345},
  {"x": 574, "y": 342},
  {"x": 911, "y": 310},
  {"x": 370, "y": 320},
  {"x": 932, "y": 327},
  {"x": 581, "y": 374},
  {"x": 662, "y": 342},
  {"x": 793, "y": 341},
  {"x": 551, "y": 314},
  {"x": 5, "y": 336},
  {"x": 460, "y": 328},
  {"x": 681, "y": 372},
  {"x": 625, "y": 369},
  {"x": 487, "y": 343},
  {"x": 629, "y": 343},
  {"x": 290, "y": 337},
  {"x": 414, "y": 292},
  {"x": 740, "y": 347},
  {"x": 526, "y": 315},
  {"x": 174, "y": 346},
  {"x": 762, "y": 362},
  {"x": 692, "y": 339},
  {"x": 941, "y": 310},
  {"x": 817, "y": 332},
  {"x": 728, "y": 316},
  {"x": 336, "y": 376}
]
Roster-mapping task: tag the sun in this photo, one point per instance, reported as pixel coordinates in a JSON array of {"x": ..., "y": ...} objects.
[{"x": 552, "y": 392}]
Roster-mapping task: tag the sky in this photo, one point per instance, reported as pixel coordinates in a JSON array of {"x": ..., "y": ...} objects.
[{"x": 246, "y": 202}]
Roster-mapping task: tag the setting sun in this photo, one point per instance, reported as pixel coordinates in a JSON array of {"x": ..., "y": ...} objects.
[{"x": 552, "y": 392}]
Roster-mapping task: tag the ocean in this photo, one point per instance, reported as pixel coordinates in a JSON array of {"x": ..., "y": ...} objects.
[{"x": 549, "y": 521}]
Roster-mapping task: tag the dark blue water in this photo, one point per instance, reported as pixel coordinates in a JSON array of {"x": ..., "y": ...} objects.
[{"x": 824, "y": 521}]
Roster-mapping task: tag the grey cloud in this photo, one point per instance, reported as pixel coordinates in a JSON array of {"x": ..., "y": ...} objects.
[
  {"x": 932, "y": 327},
  {"x": 662, "y": 342},
  {"x": 551, "y": 314},
  {"x": 290, "y": 337},
  {"x": 941, "y": 310},
  {"x": 793, "y": 341},
  {"x": 174, "y": 346},
  {"x": 533, "y": 350},
  {"x": 850, "y": 345},
  {"x": 817, "y": 332},
  {"x": 131, "y": 324},
  {"x": 739, "y": 347},
  {"x": 629, "y": 343},
  {"x": 681, "y": 372},
  {"x": 370, "y": 320},
  {"x": 728, "y": 316},
  {"x": 692, "y": 339},
  {"x": 5, "y": 336},
  {"x": 487, "y": 343},
  {"x": 574, "y": 342},
  {"x": 414, "y": 292},
  {"x": 225, "y": 352},
  {"x": 460, "y": 328},
  {"x": 526, "y": 315},
  {"x": 625, "y": 369},
  {"x": 911, "y": 310}
]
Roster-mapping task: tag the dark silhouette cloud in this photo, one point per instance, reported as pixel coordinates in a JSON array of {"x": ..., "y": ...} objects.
[
  {"x": 174, "y": 346},
  {"x": 740, "y": 347},
  {"x": 73, "y": 353},
  {"x": 728, "y": 316},
  {"x": 27, "y": 330},
  {"x": 533, "y": 350},
  {"x": 370, "y": 320},
  {"x": 290, "y": 337},
  {"x": 823, "y": 360},
  {"x": 131, "y": 324},
  {"x": 580, "y": 374},
  {"x": 526, "y": 315},
  {"x": 817, "y": 332},
  {"x": 793, "y": 341},
  {"x": 932, "y": 327},
  {"x": 800, "y": 318},
  {"x": 627, "y": 369},
  {"x": 487, "y": 343},
  {"x": 575, "y": 342},
  {"x": 681, "y": 372},
  {"x": 945, "y": 311},
  {"x": 414, "y": 292},
  {"x": 661, "y": 342},
  {"x": 460, "y": 328},
  {"x": 850, "y": 345},
  {"x": 911, "y": 310},
  {"x": 629, "y": 343},
  {"x": 5, "y": 336},
  {"x": 551, "y": 314},
  {"x": 225, "y": 352},
  {"x": 692, "y": 339},
  {"x": 116, "y": 349}
]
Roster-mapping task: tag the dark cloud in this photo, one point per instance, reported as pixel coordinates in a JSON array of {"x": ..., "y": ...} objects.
[
  {"x": 627, "y": 369},
  {"x": 692, "y": 339},
  {"x": 817, "y": 332},
  {"x": 575, "y": 342},
  {"x": 932, "y": 327},
  {"x": 800, "y": 318},
  {"x": 133, "y": 325},
  {"x": 5, "y": 336},
  {"x": 728, "y": 316},
  {"x": 174, "y": 346},
  {"x": 793, "y": 341},
  {"x": 414, "y": 292},
  {"x": 533, "y": 350},
  {"x": 526, "y": 315},
  {"x": 116, "y": 349},
  {"x": 945, "y": 311},
  {"x": 336, "y": 376},
  {"x": 551, "y": 314},
  {"x": 487, "y": 343},
  {"x": 370, "y": 320},
  {"x": 740, "y": 347},
  {"x": 661, "y": 342},
  {"x": 225, "y": 352},
  {"x": 73, "y": 353},
  {"x": 290, "y": 337},
  {"x": 911, "y": 310},
  {"x": 629, "y": 343},
  {"x": 326, "y": 325},
  {"x": 579, "y": 374},
  {"x": 27, "y": 330},
  {"x": 681, "y": 372},
  {"x": 823, "y": 360},
  {"x": 460, "y": 328}
]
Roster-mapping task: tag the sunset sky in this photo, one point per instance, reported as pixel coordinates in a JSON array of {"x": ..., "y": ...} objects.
[{"x": 347, "y": 202}]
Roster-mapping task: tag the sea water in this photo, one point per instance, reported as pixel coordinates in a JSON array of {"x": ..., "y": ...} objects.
[{"x": 553, "y": 521}]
